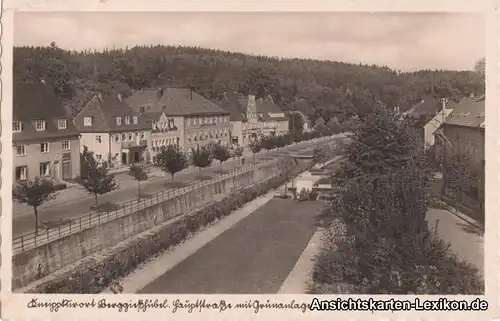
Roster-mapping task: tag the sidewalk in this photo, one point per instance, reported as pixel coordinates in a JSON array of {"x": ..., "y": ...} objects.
[{"x": 75, "y": 205}]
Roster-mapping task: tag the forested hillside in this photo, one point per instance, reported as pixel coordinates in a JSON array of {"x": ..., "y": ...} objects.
[{"x": 325, "y": 86}]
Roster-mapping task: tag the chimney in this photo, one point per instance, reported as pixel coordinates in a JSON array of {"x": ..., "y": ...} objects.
[
  {"x": 190, "y": 92},
  {"x": 443, "y": 105},
  {"x": 120, "y": 98}
]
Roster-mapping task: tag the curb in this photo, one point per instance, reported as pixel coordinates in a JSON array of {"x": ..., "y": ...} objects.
[{"x": 466, "y": 218}]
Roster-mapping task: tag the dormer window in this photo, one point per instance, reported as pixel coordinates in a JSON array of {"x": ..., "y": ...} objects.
[
  {"x": 135, "y": 119},
  {"x": 142, "y": 109},
  {"x": 87, "y": 121},
  {"x": 40, "y": 125},
  {"x": 127, "y": 120},
  {"x": 17, "y": 126},
  {"x": 61, "y": 124},
  {"x": 118, "y": 121}
]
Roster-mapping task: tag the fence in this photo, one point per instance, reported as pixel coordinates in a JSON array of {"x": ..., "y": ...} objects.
[{"x": 33, "y": 240}]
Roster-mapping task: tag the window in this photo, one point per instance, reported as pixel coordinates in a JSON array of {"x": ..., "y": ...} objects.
[
  {"x": 21, "y": 150},
  {"x": 44, "y": 147},
  {"x": 87, "y": 121},
  {"x": 142, "y": 136},
  {"x": 117, "y": 138},
  {"x": 189, "y": 121},
  {"x": 123, "y": 137},
  {"x": 127, "y": 120},
  {"x": 142, "y": 109},
  {"x": 16, "y": 126},
  {"x": 194, "y": 120},
  {"x": 61, "y": 123},
  {"x": 118, "y": 121},
  {"x": 98, "y": 139},
  {"x": 40, "y": 125},
  {"x": 21, "y": 173},
  {"x": 65, "y": 145},
  {"x": 129, "y": 137},
  {"x": 210, "y": 120},
  {"x": 98, "y": 157},
  {"x": 135, "y": 119},
  {"x": 44, "y": 169}
]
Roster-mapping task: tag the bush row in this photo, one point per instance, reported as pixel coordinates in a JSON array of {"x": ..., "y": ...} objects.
[{"x": 94, "y": 279}]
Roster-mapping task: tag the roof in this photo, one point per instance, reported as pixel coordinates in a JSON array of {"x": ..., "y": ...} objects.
[
  {"x": 428, "y": 106},
  {"x": 268, "y": 108},
  {"x": 469, "y": 112},
  {"x": 37, "y": 101},
  {"x": 236, "y": 105},
  {"x": 105, "y": 110},
  {"x": 174, "y": 102},
  {"x": 152, "y": 115}
]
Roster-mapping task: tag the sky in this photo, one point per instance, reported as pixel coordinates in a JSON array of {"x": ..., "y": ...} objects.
[{"x": 402, "y": 41}]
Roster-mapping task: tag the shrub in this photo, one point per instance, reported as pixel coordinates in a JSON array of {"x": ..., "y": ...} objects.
[
  {"x": 95, "y": 278},
  {"x": 60, "y": 186}
]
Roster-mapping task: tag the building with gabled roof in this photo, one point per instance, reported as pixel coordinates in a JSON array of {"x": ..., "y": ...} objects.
[
  {"x": 45, "y": 142},
  {"x": 252, "y": 118},
  {"x": 197, "y": 120},
  {"x": 113, "y": 131},
  {"x": 463, "y": 133}
]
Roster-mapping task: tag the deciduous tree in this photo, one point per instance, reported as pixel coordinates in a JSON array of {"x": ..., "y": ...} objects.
[
  {"x": 34, "y": 193},
  {"x": 97, "y": 179},
  {"x": 171, "y": 160},
  {"x": 202, "y": 157},
  {"x": 140, "y": 173},
  {"x": 221, "y": 153}
]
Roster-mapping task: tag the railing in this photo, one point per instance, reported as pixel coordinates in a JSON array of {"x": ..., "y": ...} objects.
[{"x": 33, "y": 240}]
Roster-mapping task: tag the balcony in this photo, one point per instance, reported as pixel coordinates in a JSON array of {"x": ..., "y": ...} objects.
[{"x": 136, "y": 144}]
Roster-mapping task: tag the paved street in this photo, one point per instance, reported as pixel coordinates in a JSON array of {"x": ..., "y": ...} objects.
[
  {"x": 254, "y": 256},
  {"x": 74, "y": 202},
  {"x": 466, "y": 240}
]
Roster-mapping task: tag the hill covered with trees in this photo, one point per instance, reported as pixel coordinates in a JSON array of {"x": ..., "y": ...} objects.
[{"x": 317, "y": 88}]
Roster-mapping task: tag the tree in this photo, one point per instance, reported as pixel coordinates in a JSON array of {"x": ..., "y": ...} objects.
[
  {"x": 97, "y": 179},
  {"x": 255, "y": 146},
  {"x": 140, "y": 173},
  {"x": 221, "y": 153},
  {"x": 296, "y": 124},
  {"x": 480, "y": 67},
  {"x": 34, "y": 193},
  {"x": 280, "y": 141},
  {"x": 202, "y": 157},
  {"x": 382, "y": 203},
  {"x": 268, "y": 143},
  {"x": 171, "y": 160},
  {"x": 286, "y": 165},
  {"x": 238, "y": 152},
  {"x": 459, "y": 175}
]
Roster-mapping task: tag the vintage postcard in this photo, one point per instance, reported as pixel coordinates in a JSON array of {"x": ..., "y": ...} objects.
[{"x": 249, "y": 161}]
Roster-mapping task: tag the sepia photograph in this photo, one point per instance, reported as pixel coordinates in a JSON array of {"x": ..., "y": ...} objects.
[{"x": 338, "y": 153}]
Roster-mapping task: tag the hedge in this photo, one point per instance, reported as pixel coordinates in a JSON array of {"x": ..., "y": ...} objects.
[{"x": 96, "y": 278}]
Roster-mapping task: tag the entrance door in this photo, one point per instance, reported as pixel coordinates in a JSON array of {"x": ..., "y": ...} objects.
[
  {"x": 66, "y": 170},
  {"x": 137, "y": 157},
  {"x": 124, "y": 158}
]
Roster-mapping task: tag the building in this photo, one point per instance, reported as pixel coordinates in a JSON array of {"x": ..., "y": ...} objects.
[
  {"x": 252, "y": 118},
  {"x": 463, "y": 132},
  {"x": 45, "y": 143},
  {"x": 424, "y": 118},
  {"x": 193, "y": 120},
  {"x": 113, "y": 131},
  {"x": 164, "y": 131}
]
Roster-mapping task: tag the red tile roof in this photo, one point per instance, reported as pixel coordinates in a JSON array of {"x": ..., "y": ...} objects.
[{"x": 37, "y": 101}]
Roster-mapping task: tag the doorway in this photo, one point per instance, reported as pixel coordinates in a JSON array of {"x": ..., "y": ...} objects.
[{"x": 124, "y": 158}]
